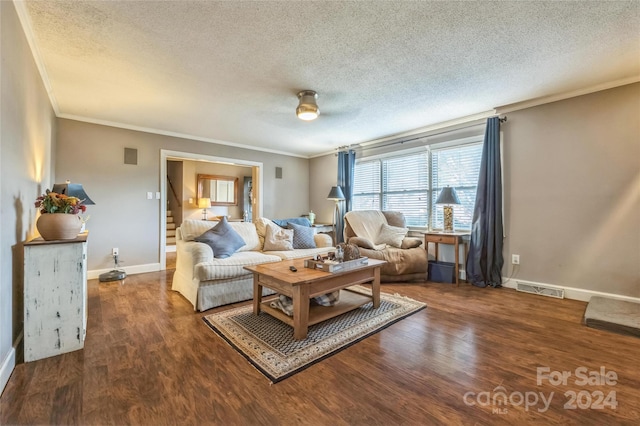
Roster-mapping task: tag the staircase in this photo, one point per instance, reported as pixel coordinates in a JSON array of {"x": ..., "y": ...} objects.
[{"x": 171, "y": 232}]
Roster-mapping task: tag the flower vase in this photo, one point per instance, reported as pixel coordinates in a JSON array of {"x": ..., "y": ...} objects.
[{"x": 58, "y": 226}]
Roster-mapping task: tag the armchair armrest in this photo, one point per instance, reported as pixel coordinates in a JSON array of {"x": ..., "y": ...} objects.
[{"x": 362, "y": 242}]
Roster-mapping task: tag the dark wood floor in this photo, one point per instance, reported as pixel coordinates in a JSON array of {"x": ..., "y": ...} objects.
[{"x": 150, "y": 360}]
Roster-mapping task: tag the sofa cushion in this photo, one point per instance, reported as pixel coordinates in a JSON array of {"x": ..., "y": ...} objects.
[
  {"x": 222, "y": 238},
  {"x": 302, "y": 236},
  {"x": 231, "y": 267},
  {"x": 399, "y": 261},
  {"x": 249, "y": 234},
  {"x": 192, "y": 228},
  {"x": 391, "y": 235},
  {"x": 278, "y": 238}
]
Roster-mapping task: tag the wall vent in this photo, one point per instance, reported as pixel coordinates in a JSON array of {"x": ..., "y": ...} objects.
[{"x": 542, "y": 290}]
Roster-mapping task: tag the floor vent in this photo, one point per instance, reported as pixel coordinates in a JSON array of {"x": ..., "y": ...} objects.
[{"x": 540, "y": 289}]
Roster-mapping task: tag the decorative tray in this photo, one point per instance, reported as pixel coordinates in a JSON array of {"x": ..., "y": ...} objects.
[{"x": 330, "y": 266}]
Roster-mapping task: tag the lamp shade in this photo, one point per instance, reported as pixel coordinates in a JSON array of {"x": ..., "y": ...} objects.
[
  {"x": 204, "y": 203},
  {"x": 335, "y": 194},
  {"x": 72, "y": 190},
  {"x": 307, "y": 108},
  {"x": 448, "y": 196}
]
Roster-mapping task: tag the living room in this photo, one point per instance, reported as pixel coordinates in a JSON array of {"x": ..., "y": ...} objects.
[{"x": 570, "y": 164}]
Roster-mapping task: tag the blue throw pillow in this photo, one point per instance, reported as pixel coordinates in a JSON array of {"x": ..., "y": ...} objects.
[
  {"x": 302, "y": 236},
  {"x": 303, "y": 221},
  {"x": 222, "y": 238}
]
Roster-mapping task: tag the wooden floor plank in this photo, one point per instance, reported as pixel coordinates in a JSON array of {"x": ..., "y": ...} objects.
[{"x": 149, "y": 359}]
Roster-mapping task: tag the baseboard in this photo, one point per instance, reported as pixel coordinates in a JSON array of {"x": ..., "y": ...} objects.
[
  {"x": 572, "y": 292},
  {"x": 8, "y": 364},
  {"x": 130, "y": 270}
]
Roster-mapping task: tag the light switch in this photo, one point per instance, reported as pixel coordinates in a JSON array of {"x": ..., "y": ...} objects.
[
  {"x": 149, "y": 195},
  {"x": 157, "y": 195}
]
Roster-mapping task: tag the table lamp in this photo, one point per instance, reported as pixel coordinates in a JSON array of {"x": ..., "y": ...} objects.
[
  {"x": 337, "y": 195},
  {"x": 448, "y": 197},
  {"x": 72, "y": 190},
  {"x": 204, "y": 204}
]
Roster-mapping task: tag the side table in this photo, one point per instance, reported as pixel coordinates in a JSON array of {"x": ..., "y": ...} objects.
[{"x": 454, "y": 238}]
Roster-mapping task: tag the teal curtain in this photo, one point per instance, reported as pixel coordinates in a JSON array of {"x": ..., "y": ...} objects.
[
  {"x": 485, "y": 259},
  {"x": 346, "y": 166}
]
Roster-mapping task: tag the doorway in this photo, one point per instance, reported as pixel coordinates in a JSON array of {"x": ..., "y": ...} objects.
[{"x": 176, "y": 156}]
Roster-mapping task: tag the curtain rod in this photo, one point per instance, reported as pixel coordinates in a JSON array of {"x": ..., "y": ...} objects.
[{"x": 402, "y": 141}]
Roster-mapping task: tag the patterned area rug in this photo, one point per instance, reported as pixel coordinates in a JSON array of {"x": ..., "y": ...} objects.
[{"x": 268, "y": 343}]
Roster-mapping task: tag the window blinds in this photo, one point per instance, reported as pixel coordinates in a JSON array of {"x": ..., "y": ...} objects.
[{"x": 410, "y": 182}]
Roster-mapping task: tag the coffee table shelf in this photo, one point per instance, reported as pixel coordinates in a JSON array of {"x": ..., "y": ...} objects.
[
  {"x": 305, "y": 283},
  {"x": 349, "y": 300}
]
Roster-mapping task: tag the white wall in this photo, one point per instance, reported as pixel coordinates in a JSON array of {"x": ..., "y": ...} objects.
[{"x": 27, "y": 127}]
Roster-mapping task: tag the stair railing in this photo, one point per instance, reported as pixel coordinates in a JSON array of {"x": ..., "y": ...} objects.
[{"x": 173, "y": 190}]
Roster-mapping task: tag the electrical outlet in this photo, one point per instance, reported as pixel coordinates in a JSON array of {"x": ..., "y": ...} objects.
[
  {"x": 515, "y": 259},
  {"x": 114, "y": 251}
]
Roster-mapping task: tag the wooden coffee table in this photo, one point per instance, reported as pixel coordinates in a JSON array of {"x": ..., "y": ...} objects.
[{"x": 307, "y": 283}]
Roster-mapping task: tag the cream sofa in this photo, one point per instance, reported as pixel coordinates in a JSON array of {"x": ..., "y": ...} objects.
[{"x": 208, "y": 282}]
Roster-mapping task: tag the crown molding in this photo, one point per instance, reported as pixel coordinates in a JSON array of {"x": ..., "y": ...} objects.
[
  {"x": 174, "y": 134},
  {"x": 27, "y": 28},
  {"x": 567, "y": 95},
  {"x": 430, "y": 130}
]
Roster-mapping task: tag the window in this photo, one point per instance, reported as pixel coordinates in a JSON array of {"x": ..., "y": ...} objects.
[
  {"x": 411, "y": 181},
  {"x": 459, "y": 168}
]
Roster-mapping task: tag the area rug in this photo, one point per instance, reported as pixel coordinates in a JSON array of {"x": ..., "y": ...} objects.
[
  {"x": 268, "y": 343},
  {"x": 618, "y": 316}
]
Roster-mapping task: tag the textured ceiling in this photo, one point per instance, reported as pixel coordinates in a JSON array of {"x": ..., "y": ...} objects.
[{"x": 229, "y": 71}]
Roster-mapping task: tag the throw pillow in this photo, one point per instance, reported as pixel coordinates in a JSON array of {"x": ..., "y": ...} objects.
[
  {"x": 261, "y": 227},
  {"x": 222, "y": 238},
  {"x": 328, "y": 299},
  {"x": 410, "y": 242},
  {"x": 278, "y": 239},
  {"x": 391, "y": 235},
  {"x": 302, "y": 236}
]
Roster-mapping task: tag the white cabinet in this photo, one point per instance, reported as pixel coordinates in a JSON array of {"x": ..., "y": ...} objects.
[{"x": 55, "y": 296}]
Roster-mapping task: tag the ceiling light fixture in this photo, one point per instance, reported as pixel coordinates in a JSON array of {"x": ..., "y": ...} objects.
[{"x": 307, "y": 108}]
